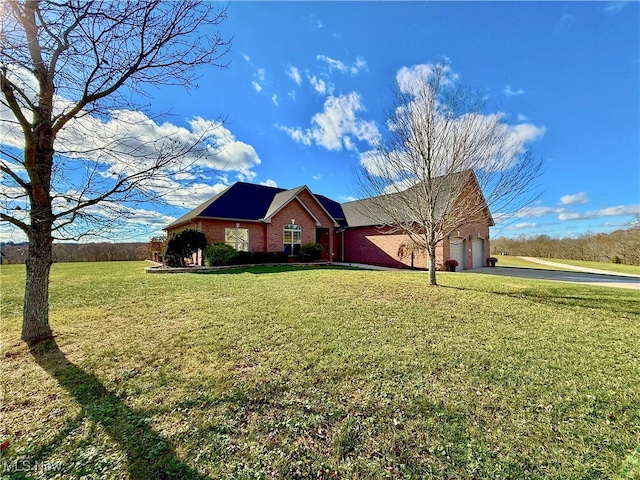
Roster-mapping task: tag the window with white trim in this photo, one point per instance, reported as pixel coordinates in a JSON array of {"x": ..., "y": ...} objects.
[
  {"x": 292, "y": 239},
  {"x": 238, "y": 238}
]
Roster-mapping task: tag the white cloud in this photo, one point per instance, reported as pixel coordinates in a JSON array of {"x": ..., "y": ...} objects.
[
  {"x": 336, "y": 127},
  {"x": 246, "y": 57},
  {"x": 10, "y": 233},
  {"x": 139, "y": 216},
  {"x": 317, "y": 176},
  {"x": 604, "y": 212},
  {"x": 274, "y": 99},
  {"x": 524, "y": 225},
  {"x": 256, "y": 86},
  {"x": 353, "y": 69},
  {"x": 193, "y": 195},
  {"x": 535, "y": 211},
  {"x": 576, "y": 199},
  {"x": 409, "y": 77},
  {"x": 320, "y": 86},
  {"x": 510, "y": 92},
  {"x": 260, "y": 74},
  {"x": 482, "y": 141},
  {"x": 269, "y": 183},
  {"x": 566, "y": 21},
  {"x": 613, "y": 8},
  {"x": 522, "y": 118},
  {"x": 126, "y": 141},
  {"x": 294, "y": 73}
]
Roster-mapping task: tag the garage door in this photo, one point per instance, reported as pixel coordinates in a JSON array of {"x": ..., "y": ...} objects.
[
  {"x": 477, "y": 247},
  {"x": 456, "y": 251}
]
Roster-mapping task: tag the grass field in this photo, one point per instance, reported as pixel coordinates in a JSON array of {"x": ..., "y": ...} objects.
[
  {"x": 612, "y": 267},
  {"x": 511, "y": 261},
  {"x": 320, "y": 373},
  {"x": 517, "y": 262}
]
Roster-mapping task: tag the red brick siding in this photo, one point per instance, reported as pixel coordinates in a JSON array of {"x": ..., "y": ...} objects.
[
  {"x": 369, "y": 245},
  {"x": 325, "y": 220},
  {"x": 292, "y": 211},
  {"x": 214, "y": 231},
  {"x": 469, "y": 232}
]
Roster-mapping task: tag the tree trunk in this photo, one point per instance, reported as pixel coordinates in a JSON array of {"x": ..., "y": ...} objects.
[
  {"x": 35, "y": 318},
  {"x": 432, "y": 266},
  {"x": 39, "y": 164}
]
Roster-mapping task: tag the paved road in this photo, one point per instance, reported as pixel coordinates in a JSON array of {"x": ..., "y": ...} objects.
[{"x": 609, "y": 279}]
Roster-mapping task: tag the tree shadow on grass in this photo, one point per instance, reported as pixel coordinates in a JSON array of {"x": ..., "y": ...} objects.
[
  {"x": 149, "y": 454},
  {"x": 610, "y": 299}
]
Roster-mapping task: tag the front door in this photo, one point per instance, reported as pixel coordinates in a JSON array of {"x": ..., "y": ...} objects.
[{"x": 322, "y": 237}]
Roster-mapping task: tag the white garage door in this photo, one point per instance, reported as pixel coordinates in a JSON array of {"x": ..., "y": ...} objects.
[
  {"x": 477, "y": 247},
  {"x": 456, "y": 251}
]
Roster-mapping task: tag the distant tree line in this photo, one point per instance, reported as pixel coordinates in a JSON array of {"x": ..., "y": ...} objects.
[
  {"x": 81, "y": 252},
  {"x": 620, "y": 246}
]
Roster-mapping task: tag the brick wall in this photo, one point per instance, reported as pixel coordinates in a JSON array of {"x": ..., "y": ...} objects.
[
  {"x": 468, "y": 233},
  {"x": 372, "y": 246},
  {"x": 214, "y": 231}
]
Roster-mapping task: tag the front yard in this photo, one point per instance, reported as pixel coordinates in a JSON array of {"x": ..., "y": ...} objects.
[{"x": 319, "y": 373}]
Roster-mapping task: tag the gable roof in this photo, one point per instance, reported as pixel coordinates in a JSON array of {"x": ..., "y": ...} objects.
[
  {"x": 240, "y": 201},
  {"x": 258, "y": 203},
  {"x": 358, "y": 213},
  {"x": 283, "y": 198},
  {"x": 246, "y": 202},
  {"x": 333, "y": 208}
]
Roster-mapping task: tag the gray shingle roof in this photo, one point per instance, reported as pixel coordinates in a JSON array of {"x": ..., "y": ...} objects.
[
  {"x": 251, "y": 202},
  {"x": 362, "y": 213}
]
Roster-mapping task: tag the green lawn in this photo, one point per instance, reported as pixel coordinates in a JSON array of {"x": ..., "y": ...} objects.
[
  {"x": 320, "y": 373},
  {"x": 517, "y": 262},
  {"x": 612, "y": 267}
]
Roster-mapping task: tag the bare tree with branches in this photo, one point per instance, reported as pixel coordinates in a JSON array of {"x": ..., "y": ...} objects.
[
  {"x": 73, "y": 144},
  {"x": 440, "y": 156}
]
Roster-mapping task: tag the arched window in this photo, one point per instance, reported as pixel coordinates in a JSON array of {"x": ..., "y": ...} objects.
[{"x": 292, "y": 239}]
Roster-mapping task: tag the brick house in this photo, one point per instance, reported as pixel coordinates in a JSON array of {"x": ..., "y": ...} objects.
[{"x": 257, "y": 218}]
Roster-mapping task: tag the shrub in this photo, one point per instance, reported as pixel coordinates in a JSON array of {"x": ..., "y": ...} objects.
[
  {"x": 182, "y": 245},
  {"x": 268, "y": 257},
  {"x": 219, "y": 253},
  {"x": 311, "y": 251},
  {"x": 451, "y": 265}
]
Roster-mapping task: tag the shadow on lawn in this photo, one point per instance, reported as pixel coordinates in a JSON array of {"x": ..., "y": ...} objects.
[
  {"x": 614, "y": 300},
  {"x": 260, "y": 269},
  {"x": 149, "y": 454}
]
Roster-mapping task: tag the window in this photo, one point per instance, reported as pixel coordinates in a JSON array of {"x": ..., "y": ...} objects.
[
  {"x": 238, "y": 238},
  {"x": 292, "y": 239}
]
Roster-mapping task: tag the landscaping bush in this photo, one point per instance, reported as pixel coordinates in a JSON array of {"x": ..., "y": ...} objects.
[
  {"x": 219, "y": 253},
  {"x": 182, "y": 245},
  {"x": 451, "y": 265},
  {"x": 268, "y": 257},
  {"x": 311, "y": 251},
  {"x": 244, "y": 258}
]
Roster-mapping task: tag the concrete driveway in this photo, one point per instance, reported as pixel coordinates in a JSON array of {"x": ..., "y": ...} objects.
[{"x": 608, "y": 279}]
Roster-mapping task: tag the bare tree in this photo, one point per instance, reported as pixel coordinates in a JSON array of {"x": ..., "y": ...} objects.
[
  {"x": 440, "y": 156},
  {"x": 68, "y": 68}
]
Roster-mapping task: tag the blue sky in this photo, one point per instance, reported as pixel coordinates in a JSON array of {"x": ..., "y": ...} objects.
[{"x": 309, "y": 83}]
